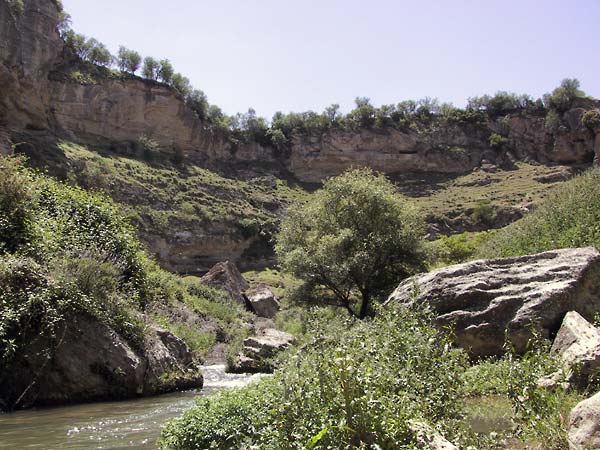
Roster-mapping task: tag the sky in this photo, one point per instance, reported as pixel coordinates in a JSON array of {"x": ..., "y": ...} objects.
[{"x": 283, "y": 55}]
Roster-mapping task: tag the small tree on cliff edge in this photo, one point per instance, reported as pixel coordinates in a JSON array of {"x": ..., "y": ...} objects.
[{"x": 357, "y": 237}]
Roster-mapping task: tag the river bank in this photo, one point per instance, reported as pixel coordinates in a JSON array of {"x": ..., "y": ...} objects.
[{"x": 131, "y": 424}]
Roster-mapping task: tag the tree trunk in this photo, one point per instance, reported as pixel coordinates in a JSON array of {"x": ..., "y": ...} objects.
[{"x": 364, "y": 307}]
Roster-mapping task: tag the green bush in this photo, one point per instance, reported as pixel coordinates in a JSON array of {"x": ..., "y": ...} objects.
[
  {"x": 354, "y": 385},
  {"x": 591, "y": 119},
  {"x": 570, "y": 217}
]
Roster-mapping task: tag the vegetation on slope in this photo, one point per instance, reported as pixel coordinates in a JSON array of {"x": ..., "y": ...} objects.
[
  {"x": 64, "y": 250},
  {"x": 360, "y": 384},
  {"x": 570, "y": 217}
]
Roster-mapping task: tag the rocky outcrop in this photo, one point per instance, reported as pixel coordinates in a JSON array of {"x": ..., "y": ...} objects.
[
  {"x": 29, "y": 46},
  {"x": 226, "y": 276},
  {"x": 257, "y": 351},
  {"x": 584, "y": 424},
  {"x": 578, "y": 344},
  {"x": 487, "y": 301},
  {"x": 262, "y": 301},
  {"x": 88, "y": 361}
]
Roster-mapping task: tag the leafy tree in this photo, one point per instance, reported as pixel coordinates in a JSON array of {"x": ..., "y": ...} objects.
[
  {"x": 78, "y": 43},
  {"x": 128, "y": 60},
  {"x": 333, "y": 113},
  {"x": 165, "y": 71},
  {"x": 98, "y": 53},
  {"x": 198, "y": 102},
  {"x": 182, "y": 84},
  {"x": 150, "y": 69},
  {"x": 364, "y": 113},
  {"x": 357, "y": 235},
  {"x": 562, "y": 97}
]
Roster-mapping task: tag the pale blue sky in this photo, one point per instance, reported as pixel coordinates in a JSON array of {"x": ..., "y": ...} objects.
[{"x": 300, "y": 55}]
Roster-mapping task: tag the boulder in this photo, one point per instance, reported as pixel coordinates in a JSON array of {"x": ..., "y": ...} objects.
[
  {"x": 584, "y": 424},
  {"x": 89, "y": 361},
  {"x": 258, "y": 349},
  {"x": 578, "y": 344},
  {"x": 262, "y": 301},
  {"x": 429, "y": 437},
  {"x": 226, "y": 276},
  {"x": 486, "y": 301}
]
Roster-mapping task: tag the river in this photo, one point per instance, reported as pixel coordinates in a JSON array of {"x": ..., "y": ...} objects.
[{"x": 125, "y": 424}]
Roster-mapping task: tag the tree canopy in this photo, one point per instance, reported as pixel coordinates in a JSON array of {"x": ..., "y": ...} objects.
[{"x": 357, "y": 237}]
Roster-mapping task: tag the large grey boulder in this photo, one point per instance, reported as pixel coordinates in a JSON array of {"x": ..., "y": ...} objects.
[
  {"x": 226, "y": 276},
  {"x": 578, "y": 344},
  {"x": 486, "y": 301},
  {"x": 90, "y": 361},
  {"x": 262, "y": 301},
  {"x": 584, "y": 424},
  {"x": 258, "y": 349}
]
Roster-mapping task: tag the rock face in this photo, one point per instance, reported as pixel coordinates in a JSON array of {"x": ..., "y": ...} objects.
[
  {"x": 226, "y": 276},
  {"x": 257, "y": 349},
  {"x": 584, "y": 424},
  {"x": 91, "y": 361},
  {"x": 29, "y": 46},
  {"x": 480, "y": 300},
  {"x": 262, "y": 301},
  {"x": 578, "y": 344}
]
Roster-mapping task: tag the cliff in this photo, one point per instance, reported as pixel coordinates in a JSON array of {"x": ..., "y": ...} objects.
[{"x": 47, "y": 97}]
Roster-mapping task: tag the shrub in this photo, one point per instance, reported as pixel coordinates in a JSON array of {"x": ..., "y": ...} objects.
[
  {"x": 356, "y": 236},
  {"x": 354, "y": 385},
  {"x": 569, "y": 217},
  {"x": 591, "y": 119}
]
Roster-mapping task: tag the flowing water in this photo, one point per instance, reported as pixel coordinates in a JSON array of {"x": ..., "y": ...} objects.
[{"x": 108, "y": 425}]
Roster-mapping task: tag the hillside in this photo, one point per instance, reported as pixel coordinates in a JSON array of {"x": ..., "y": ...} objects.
[
  {"x": 86, "y": 314},
  {"x": 201, "y": 192}
]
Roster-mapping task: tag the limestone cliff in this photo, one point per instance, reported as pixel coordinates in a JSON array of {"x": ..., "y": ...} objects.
[
  {"x": 29, "y": 46},
  {"x": 42, "y": 94}
]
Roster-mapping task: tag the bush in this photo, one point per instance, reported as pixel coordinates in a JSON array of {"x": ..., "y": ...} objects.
[
  {"x": 355, "y": 237},
  {"x": 354, "y": 385},
  {"x": 591, "y": 120},
  {"x": 569, "y": 217}
]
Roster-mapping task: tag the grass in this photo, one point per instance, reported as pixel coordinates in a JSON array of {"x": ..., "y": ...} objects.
[{"x": 570, "y": 217}]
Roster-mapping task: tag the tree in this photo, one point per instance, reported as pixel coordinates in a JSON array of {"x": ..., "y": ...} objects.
[
  {"x": 165, "y": 71},
  {"x": 98, "y": 53},
  {"x": 128, "y": 60},
  {"x": 357, "y": 237},
  {"x": 150, "y": 69},
  {"x": 198, "y": 102},
  {"x": 562, "y": 97},
  {"x": 182, "y": 84}
]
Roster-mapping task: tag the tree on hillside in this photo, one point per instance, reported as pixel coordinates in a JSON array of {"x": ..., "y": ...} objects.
[
  {"x": 128, "y": 60},
  {"x": 150, "y": 69},
  {"x": 165, "y": 71},
  {"x": 98, "y": 53},
  {"x": 356, "y": 237},
  {"x": 562, "y": 97},
  {"x": 182, "y": 84}
]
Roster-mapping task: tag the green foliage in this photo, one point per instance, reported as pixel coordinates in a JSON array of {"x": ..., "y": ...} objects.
[
  {"x": 561, "y": 98},
  {"x": 591, "y": 120},
  {"x": 496, "y": 141},
  {"x": 17, "y": 7},
  {"x": 15, "y": 204},
  {"x": 357, "y": 234},
  {"x": 151, "y": 68},
  {"x": 148, "y": 146},
  {"x": 65, "y": 251},
  {"x": 166, "y": 71},
  {"x": 457, "y": 248},
  {"x": 570, "y": 217},
  {"x": 128, "y": 60},
  {"x": 354, "y": 385},
  {"x": 182, "y": 84},
  {"x": 98, "y": 53},
  {"x": 90, "y": 50}
]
